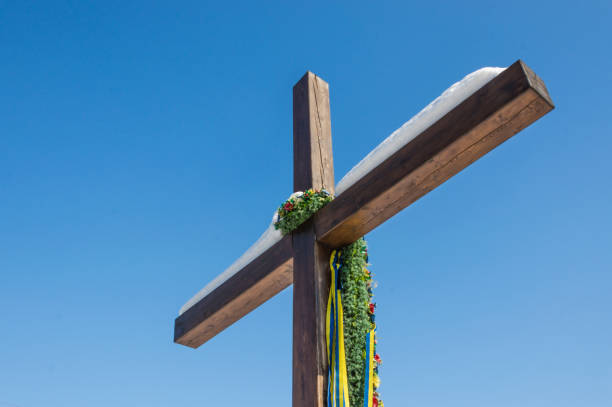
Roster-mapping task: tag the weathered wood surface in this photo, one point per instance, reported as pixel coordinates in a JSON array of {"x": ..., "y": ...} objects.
[
  {"x": 246, "y": 290},
  {"x": 310, "y": 289},
  {"x": 506, "y": 105},
  {"x": 313, "y": 163},
  {"x": 313, "y": 167}
]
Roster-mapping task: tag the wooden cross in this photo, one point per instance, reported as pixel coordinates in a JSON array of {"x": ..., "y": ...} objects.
[{"x": 504, "y": 106}]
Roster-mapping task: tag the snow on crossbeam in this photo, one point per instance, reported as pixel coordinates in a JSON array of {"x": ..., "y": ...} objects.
[
  {"x": 451, "y": 97},
  {"x": 469, "y": 119},
  {"x": 443, "y": 104}
]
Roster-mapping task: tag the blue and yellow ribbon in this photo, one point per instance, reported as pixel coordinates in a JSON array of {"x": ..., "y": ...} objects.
[
  {"x": 368, "y": 394},
  {"x": 337, "y": 387}
]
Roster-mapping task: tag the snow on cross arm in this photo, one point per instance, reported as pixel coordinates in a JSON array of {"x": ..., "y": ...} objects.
[{"x": 443, "y": 104}]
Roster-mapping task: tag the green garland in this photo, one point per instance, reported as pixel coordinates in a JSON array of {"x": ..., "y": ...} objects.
[
  {"x": 358, "y": 310},
  {"x": 357, "y": 323},
  {"x": 299, "y": 207}
]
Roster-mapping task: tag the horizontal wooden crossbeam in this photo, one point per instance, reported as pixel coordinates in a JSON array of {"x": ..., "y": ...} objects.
[
  {"x": 257, "y": 282},
  {"x": 503, "y": 107},
  {"x": 500, "y": 109}
]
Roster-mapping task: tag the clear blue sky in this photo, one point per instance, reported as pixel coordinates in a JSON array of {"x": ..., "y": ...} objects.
[{"x": 145, "y": 145}]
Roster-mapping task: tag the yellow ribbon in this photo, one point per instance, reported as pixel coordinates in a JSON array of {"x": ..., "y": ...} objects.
[{"x": 337, "y": 389}]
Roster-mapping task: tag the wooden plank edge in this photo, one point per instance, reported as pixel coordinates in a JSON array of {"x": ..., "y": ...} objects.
[
  {"x": 258, "y": 281},
  {"x": 537, "y": 84}
]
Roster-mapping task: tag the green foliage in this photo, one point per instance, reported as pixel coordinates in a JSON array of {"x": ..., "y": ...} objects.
[
  {"x": 298, "y": 208},
  {"x": 355, "y": 282}
]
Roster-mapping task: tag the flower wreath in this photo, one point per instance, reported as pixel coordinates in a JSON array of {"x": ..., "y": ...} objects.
[{"x": 299, "y": 208}]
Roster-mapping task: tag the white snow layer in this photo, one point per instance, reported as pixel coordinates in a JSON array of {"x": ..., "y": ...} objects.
[{"x": 443, "y": 104}]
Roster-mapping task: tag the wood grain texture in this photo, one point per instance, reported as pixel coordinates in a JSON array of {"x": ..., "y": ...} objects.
[
  {"x": 311, "y": 281},
  {"x": 257, "y": 282},
  {"x": 313, "y": 167},
  {"x": 507, "y": 104},
  {"x": 313, "y": 163}
]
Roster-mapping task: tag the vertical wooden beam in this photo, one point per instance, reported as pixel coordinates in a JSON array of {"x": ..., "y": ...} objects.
[{"x": 313, "y": 167}]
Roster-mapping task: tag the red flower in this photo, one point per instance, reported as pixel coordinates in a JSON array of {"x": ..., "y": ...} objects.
[
  {"x": 374, "y": 402},
  {"x": 372, "y": 308},
  {"x": 288, "y": 206},
  {"x": 377, "y": 359}
]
